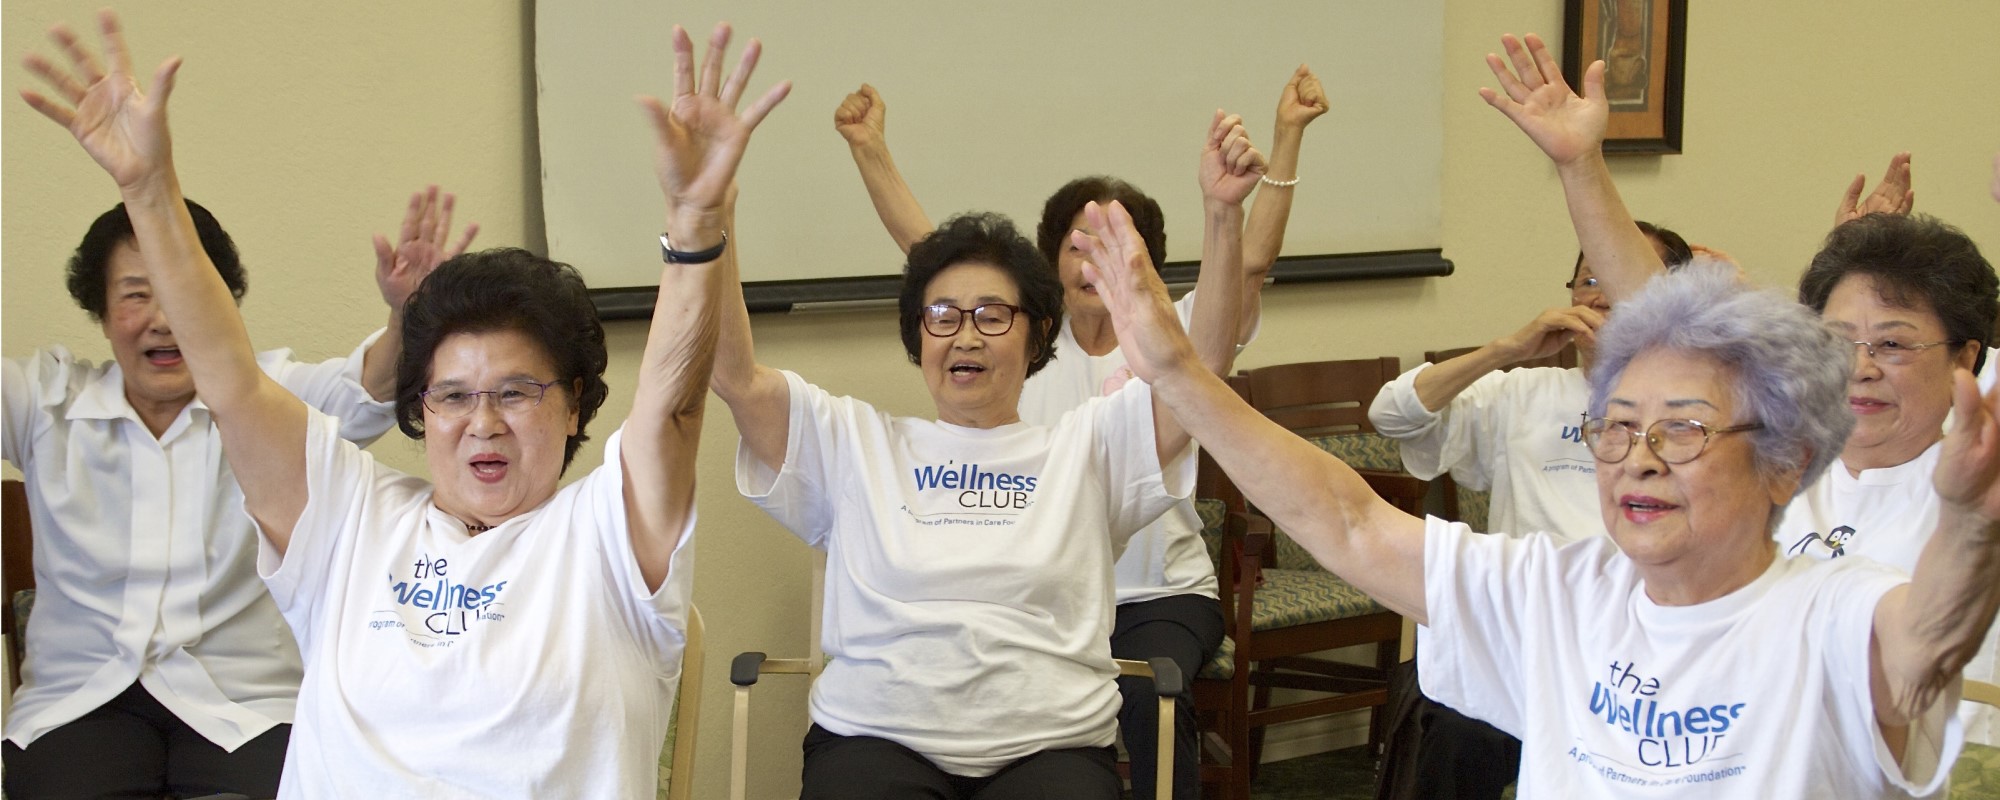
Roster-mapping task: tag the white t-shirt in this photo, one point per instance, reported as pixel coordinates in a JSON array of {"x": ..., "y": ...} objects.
[
  {"x": 1517, "y": 434},
  {"x": 1989, "y": 373},
  {"x": 968, "y": 578},
  {"x": 526, "y": 661},
  {"x": 1761, "y": 693},
  {"x": 145, "y": 565},
  {"x": 1167, "y": 557},
  {"x": 1885, "y": 515}
]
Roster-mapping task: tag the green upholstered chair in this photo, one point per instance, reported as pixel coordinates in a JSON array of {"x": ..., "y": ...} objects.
[
  {"x": 1280, "y": 607},
  {"x": 1976, "y": 774}
]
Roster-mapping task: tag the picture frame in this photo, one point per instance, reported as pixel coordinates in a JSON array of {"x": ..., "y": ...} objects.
[{"x": 1643, "y": 44}]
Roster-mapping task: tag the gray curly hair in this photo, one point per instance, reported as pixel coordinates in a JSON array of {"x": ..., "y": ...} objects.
[{"x": 1792, "y": 370}]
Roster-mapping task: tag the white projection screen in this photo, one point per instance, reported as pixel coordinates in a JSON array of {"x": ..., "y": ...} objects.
[{"x": 992, "y": 106}]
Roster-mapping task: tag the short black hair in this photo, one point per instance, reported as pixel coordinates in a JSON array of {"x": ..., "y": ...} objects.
[
  {"x": 1678, "y": 252},
  {"x": 983, "y": 238},
  {"x": 1915, "y": 261},
  {"x": 505, "y": 289},
  {"x": 1062, "y": 207},
  {"x": 87, "y": 267}
]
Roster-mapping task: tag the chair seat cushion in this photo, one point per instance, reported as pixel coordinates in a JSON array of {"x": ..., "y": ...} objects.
[
  {"x": 1977, "y": 773},
  {"x": 1221, "y": 666},
  {"x": 1291, "y": 597}
]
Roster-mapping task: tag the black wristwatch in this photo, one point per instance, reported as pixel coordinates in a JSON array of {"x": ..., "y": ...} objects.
[{"x": 672, "y": 256}]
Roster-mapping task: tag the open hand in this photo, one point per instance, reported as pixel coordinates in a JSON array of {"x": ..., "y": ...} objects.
[
  {"x": 1230, "y": 166},
  {"x": 423, "y": 243},
  {"x": 861, "y": 117},
  {"x": 124, "y": 130},
  {"x": 1535, "y": 96},
  {"x": 1149, "y": 331},
  {"x": 1968, "y": 470},
  {"x": 701, "y": 136},
  {"x": 1303, "y": 99},
  {"x": 1892, "y": 196}
]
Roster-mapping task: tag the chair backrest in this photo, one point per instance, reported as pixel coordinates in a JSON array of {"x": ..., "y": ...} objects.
[
  {"x": 1982, "y": 692},
  {"x": 677, "y": 752},
  {"x": 1564, "y": 358},
  {"x": 1321, "y": 398},
  {"x": 17, "y": 571}
]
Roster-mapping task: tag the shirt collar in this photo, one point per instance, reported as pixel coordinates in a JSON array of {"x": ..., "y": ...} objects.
[{"x": 104, "y": 398}]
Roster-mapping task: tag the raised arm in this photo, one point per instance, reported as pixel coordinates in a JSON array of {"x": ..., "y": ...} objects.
[
  {"x": 758, "y": 397},
  {"x": 1318, "y": 500},
  {"x": 1547, "y": 334},
  {"x": 1302, "y": 101},
  {"x": 125, "y": 131},
  {"x": 1570, "y": 131},
  {"x": 1926, "y": 630},
  {"x": 861, "y": 119},
  {"x": 423, "y": 243},
  {"x": 1230, "y": 168},
  {"x": 1892, "y": 196},
  {"x": 701, "y": 138}
]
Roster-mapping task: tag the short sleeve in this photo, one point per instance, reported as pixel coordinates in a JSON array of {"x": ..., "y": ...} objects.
[
  {"x": 334, "y": 387},
  {"x": 340, "y": 480},
  {"x": 1139, "y": 486},
  {"x": 657, "y": 618},
  {"x": 1470, "y": 656},
  {"x": 798, "y": 493},
  {"x": 1447, "y": 440},
  {"x": 1845, "y": 606}
]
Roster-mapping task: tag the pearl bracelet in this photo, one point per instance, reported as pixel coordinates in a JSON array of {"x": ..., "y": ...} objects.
[{"x": 1281, "y": 184}]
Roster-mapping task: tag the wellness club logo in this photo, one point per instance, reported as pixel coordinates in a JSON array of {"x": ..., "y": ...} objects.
[
  {"x": 978, "y": 488},
  {"x": 1667, "y": 737},
  {"x": 444, "y": 607}
]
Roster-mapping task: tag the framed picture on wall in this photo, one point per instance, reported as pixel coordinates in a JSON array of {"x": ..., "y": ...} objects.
[{"x": 1643, "y": 44}]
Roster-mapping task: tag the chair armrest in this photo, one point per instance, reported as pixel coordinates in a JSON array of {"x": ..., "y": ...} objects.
[{"x": 743, "y": 670}]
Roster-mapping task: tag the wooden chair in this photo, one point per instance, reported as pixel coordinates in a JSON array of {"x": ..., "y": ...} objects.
[
  {"x": 1280, "y": 606},
  {"x": 1471, "y": 505},
  {"x": 747, "y": 668},
  {"x": 17, "y": 550},
  {"x": 677, "y": 752}
]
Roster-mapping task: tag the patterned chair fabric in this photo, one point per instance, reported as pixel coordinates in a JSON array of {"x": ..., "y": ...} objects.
[
  {"x": 1214, "y": 515},
  {"x": 667, "y": 749},
  {"x": 1222, "y": 666},
  {"x": 1292, "y": 597},
  {"x": 1473, "y": 506},
  {"x": 1977, "y": 773}
]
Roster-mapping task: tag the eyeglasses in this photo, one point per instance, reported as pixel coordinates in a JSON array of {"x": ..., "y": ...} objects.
[
  {"x": 991, "y": 319},
  {"x": 511, "y": 397},
  {"x": 1586, "y": 283},
  {"x": 1890, "y": 351},
  {"x": 1675, "y": 441}
]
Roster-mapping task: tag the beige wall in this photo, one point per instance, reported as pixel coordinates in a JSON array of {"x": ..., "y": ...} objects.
[{"x": 304, "y": 127}]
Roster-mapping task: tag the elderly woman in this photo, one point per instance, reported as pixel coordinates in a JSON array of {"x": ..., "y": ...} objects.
[
  {"x": 1912, "y": 295},
  {"x": 138, "y": 520},
  {"x": 1165, "y": 586},
  {"x": 968, "y": 611},
  {"x": 1680, "y": 655},
  {"x": 490, "y": 635}
]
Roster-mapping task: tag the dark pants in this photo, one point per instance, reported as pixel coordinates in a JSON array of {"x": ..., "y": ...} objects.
[
  {"x": 1464, "y": 758},
  {"x": 867, "y": 768},
  {"x": 133, "y": 747},
  {"x": 1186, "y": 628}
]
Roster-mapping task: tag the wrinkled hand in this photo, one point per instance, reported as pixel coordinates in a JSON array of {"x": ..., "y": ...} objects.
[
  {"x": 1552, "y": 330},
  {"x": 423, "y": 243},
  {"x": 1892, "y": 196},
  {"x": 1303, "y": 99},
  {"x": 1968, "y": 470},
  {"x": 1535, "y": 96},
  {"x": 701, "y": 136},
  {"x": 1149, "y": 331},
  {"x": 1230, "y": 166},
  {"x": 861, "y": 117},
  {"x": 123, "y": 129}
]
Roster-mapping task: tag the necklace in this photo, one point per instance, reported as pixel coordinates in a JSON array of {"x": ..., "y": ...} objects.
[{"x": 471, "y": 528}]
